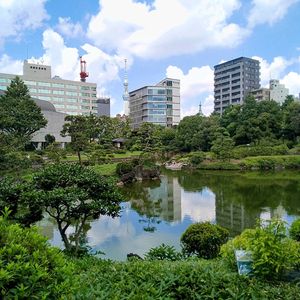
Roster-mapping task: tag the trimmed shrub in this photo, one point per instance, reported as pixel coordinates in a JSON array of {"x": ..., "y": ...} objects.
[
  {"x": 196, "y": 158},
  {"x": 124, "y": 168},
  {"x": 204, "y": 240},
  {"x": 30, "y": 268},
  {"x": 295, "y": 230},
  {"x": 163, "y": 252}
]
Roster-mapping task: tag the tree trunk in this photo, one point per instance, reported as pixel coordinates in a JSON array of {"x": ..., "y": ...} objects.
[{"x": 79, "y": 157}]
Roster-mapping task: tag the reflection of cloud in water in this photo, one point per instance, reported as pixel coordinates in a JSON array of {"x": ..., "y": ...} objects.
[
  {"x": 118, "y": 237},
  {"x": 198, "y": 206}
]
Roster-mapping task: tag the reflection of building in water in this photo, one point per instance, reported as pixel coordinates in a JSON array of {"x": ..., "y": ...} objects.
[
  {"x": 169, "y": 194},
  {"x": 234, "y": 216}
]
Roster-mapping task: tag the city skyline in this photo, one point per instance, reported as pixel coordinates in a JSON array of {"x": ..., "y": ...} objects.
[{"x": 181, "y": 39}]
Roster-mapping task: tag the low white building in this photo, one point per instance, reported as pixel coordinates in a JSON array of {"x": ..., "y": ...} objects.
[{"x": 278, "y": 91}]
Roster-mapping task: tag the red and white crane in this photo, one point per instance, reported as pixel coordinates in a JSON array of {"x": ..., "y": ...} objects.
[{"x": 83, "y": 73}]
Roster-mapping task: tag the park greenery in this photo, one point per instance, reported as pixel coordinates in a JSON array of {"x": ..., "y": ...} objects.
[{"x": 259, "y": 135}]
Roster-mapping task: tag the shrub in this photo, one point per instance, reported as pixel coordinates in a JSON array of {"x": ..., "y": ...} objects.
[
  {"x": 273, "y": 253},
  {"x": 196, "y": 158},
  {"x": 295, "y": 230},
  {"x": 30, "y": 268},
  {"x": 204, "y": 239},
  {"x": 163, "y": 252},
  {"x": 124, "y": 168}
]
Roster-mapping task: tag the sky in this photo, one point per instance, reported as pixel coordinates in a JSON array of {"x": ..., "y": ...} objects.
[{"x": 180, "y": 39}]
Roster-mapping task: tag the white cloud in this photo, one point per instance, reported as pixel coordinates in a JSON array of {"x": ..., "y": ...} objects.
[
  {"x": 69, "y": 29},
  {"x": 19, "y": 15},
  {"x": 194, "y": 86},
  {"x": 152, "y": 31},
  {"x": 208, "y": 105},
  {"x": 273, "y": 70},
  {"x": 292, "y": 82},
  {"x": 268, "y": 11},
  {"x": 10, "y": 66}
]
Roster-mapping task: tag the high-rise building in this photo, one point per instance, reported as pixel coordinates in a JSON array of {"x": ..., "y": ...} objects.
[
  {"x": 233, "y": 81},
  {"x": 103, "y": 106},
  {"x": 68, "y": 96},
  {"x": 157, "y": 104}
]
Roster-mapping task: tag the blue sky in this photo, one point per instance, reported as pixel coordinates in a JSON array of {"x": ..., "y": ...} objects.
[{"x": 177, "y": 38}]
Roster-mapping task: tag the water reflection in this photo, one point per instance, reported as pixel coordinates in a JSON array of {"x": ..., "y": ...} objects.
[{"x": 159, "y": 211}]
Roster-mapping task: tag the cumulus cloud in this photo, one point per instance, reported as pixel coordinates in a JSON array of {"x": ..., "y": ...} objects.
[
  {"x": 273, "y": 70},
  {"x": 69, "y": 29},
  {"x": 194, "y": 86},
  {"x": 266, "y": 11},
  {"x": 208, "y": 105},
  {"x": 292, "y": 82},
  {"x": 166, "y": 27},
  {"x": 10, "y": 66},
  {"x": 19, "y": 15}
]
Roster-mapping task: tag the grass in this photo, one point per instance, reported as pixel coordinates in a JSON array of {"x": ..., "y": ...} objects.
[{"x": 105, "y": 169}]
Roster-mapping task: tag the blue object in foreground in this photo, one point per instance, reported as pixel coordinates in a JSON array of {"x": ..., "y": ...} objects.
[{"x": 244, "y": 261}]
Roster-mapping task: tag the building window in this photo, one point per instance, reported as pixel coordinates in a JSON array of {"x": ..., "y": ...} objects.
[
  {"x": 169, "y": 83},
  {"x": 59, "y": 85},
  {"x": 71, "y": 94},
  {"x": 169, "y": 92},
  {"x": 72, "y": 106},
  {"x": 85, "y": 94},
  {"x": 85, "y": 107},
  {"x": 59, "y": 105},
  {"x": 33, "y": 90},
  {"x": 44, "y": 84},
  {"x": 85, "y": 101},
  {"x": 44, "y": 91},
  {"x": 85, "y": 88},
  {"x": 3, "y": 87},
  {"x": 58, "y": 92},
  {"x": 58, "y": 99},
  {"x": 73, "y": 100},
  {"x": 29, "y": 82},
  {"x": 71, "y": 86},
  {"x": 45, "y": 98}
]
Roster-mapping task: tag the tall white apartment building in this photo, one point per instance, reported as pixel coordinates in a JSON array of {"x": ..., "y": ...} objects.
[
  {"x": 67, "y": 96},
  {"x": 278, "y": 91}
]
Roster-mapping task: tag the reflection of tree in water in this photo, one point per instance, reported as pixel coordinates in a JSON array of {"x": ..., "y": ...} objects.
[
  {"x": 148, "y": 209},
  {"x": 240, "y": 199}
]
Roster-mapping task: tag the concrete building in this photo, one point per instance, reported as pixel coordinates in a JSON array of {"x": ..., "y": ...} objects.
[
  {"x": 103, "y": 106},
  {"x": 157, "y": 104},
  {"x": 278, "y": 92},
  {"x": 70, "y": 97},
  {"x": 233, "y": 80},
  {"x": 261, "y": 94},
  {"x": 55, "y": 123}
]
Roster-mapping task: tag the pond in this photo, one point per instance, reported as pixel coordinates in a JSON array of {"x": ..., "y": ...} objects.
[{"x": 159, "y": 211}]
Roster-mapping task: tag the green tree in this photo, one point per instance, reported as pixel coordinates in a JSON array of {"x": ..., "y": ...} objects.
[
  {"x": 77, "y": 128},
  {"x": 72, "y": 194},
  {"x": 222, "y": 144},
  {"x": 291, "y": 120},
  {"x": 20, "y": 117}
]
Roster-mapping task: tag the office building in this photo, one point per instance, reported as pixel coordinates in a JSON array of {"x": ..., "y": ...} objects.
[
  {"x": 233, "y": 80},
  {"x": 69, "y": 97},
  {"x": 278, "y": 92},
  {"x": 103, "y": 106},
  {"x": 157, "y": 104}
]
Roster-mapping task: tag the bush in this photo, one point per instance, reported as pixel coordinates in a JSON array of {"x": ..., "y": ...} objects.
[
  {"x": 273, "y": 253},
  {"x": 204, "y": 239},
  {"x": 30, "y": 268},
  {"x": 163, "y": 252},
  {"x": 124, "y": 168},
  {"x": 196, "y": 158},
  {"x": 295, "y": 230}
]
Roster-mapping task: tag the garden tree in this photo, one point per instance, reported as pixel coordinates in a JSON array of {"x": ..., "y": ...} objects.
[
  {"x": 77, "y": 128},
  {"x": 20, "y": 117},
  {"x": 168, "y": 138},
  {"x": 196, "y": 132},
  {"x": 54, "y": 152},
  {"x": 291, "y": 120},
  {"x": 20, "y": 199},
  {"x": 72, "y": 194},
  {"x": 147, "y": 137},
  {"x": 121, "y": 127},
  {"x": 49, "y": 139},
  {"x": 222, "y": 144}
]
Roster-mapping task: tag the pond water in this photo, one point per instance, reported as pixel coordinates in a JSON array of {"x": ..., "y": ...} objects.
[{"x": 159, "y": 211}]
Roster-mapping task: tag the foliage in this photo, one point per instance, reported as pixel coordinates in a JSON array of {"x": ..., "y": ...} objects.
[
  {"x": 124, "y": 168},
  {"x": 222, "y": 144},
  {"x": 272, "y": 252},
  {"x": 30, "y": 268},
  {"x": 71, "y": 194},
  {"x": 20, "y": 117},
  {"x": 295, "y": 230},
  {"x": 195, "y": 158},
  {"x": 49, "y": 139},
  {"x": 54, "y": 152},
  {"x": 204, "y": 239},
  {"x": 105, "y": 169},
  {"x": 23, "y": 203},
  {"x": 191, "y": 279},
  {"x": 163, "y": 252}
]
